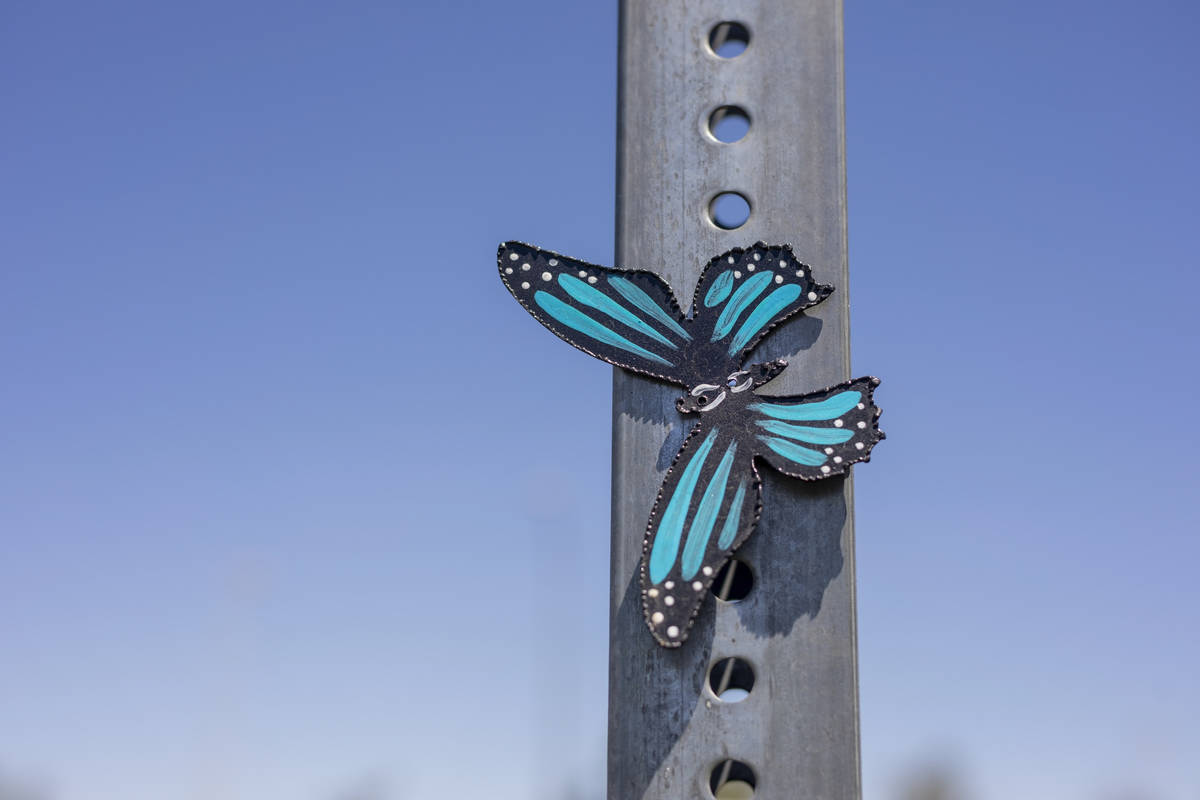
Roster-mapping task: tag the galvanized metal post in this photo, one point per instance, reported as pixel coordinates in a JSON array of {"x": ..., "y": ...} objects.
[{"x": 798, "y": 728}]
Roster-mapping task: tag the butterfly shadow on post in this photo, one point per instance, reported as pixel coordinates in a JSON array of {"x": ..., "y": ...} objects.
[{"x": 711, "y": 497}]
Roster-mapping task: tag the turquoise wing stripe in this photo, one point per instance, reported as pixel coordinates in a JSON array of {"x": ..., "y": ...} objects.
[
  {"x": 829, "y": 408},
  {"x": 721, "y": 288},
  {"x": 598, "y": 300},
  {"x": 644, "y": 302},
  {"x": 575, "y": 319},
  {"x": 762, "y": 314},
  {"x": 732, "y": 518},
  {"x": 794, "y": 452},
  {"x": 670, "y": 530},
  {"x": 742, "y": 298},
  {"x": 706, "y": 516},
  {"x": 806, "y": 433}
]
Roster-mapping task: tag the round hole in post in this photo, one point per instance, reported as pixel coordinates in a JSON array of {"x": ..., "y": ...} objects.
[
  {"x": 728, "y": 124},
  {"x": 733, "y": 582},
  {"x": 729, "y": 210},
  {"x": 732, "y": 780},
  {"x": 731, "y": 679},
  {"x": 729, "y": 39}
]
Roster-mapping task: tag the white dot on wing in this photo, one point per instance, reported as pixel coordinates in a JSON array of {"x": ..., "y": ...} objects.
[
  {"x": 812, "y": 295},
  {"x": 672, "y": 631},
  {"x": 783, "y": 263},
  {"x": 525, "y": 267},
  {"x": 508, "y": 270},
  {"x": 737, "y": 274},
  {"x": 837, "y": 459},
  {"x": 779, "y": 279},
  {"x": 731, "y": 259},
  {"x": 758, "y": 256},
  {"x": 828, "y": 451},
  {"x": 525, "y": 284},
  {"x": 799, "y": 273},
  {"x": 656, "y": 617},
  {"x": 858, "y": 445},
  {"x": 653, "y": 592},
  {"x": 592, "y": 279},
  {"x": 513, "y": 256},
  {"x": 669, "y": 585},
  {"x": 546, "y": 276},
  {"x": 825, "y": 470},
  {"x": 862, "y": 425},
  {"x": 669, "y": 600},
  {"x": 837, "y": 423},
  {"x": 707, "y": 571},
  {"x": 697, "y": 585},
  {"x": 861, "y": 406},
  {"x": 553, "y": 262}
]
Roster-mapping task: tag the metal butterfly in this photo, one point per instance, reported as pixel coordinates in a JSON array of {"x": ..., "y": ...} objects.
[{"x": 711, "y": 497}]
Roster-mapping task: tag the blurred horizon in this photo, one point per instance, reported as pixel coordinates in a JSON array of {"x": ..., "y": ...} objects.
[{"x": 285, "y": 474}]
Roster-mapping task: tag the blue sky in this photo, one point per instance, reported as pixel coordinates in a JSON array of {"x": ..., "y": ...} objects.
[{"x": 281, "y": 463}]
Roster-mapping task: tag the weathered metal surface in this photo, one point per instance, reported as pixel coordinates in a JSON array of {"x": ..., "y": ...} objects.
[{"x": 798, "y": 728}]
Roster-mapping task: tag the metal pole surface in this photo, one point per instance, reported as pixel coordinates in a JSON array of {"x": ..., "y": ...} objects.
[{"x": 798, "y": 728}]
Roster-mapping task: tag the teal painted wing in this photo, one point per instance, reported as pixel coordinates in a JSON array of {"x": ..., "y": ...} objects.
[
  {"x": 744, "y": 293},
  {"x": 628, "y": 318},
  {"x": 820, "y": 434},
  {"x": 708, "y": 505}
]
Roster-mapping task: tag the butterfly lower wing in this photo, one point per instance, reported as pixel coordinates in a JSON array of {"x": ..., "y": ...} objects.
[
  {"x": 818, "y": 435},
  {"x": 709, "y": 503},
  {"x": 628, "y": 318},
  {"x": 744, "y": 293}
]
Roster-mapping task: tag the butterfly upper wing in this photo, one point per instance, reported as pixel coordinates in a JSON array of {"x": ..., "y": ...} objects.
[
  {"x": 744, "y": 293},
  {"x": 820, "y": 434},
  {"x": 625, "y": 317},
  {"x": 708, "y": 505}
]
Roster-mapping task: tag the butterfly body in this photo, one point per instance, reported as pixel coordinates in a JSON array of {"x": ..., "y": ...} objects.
[
  {"x": 704, "y": 398},
  {"x": 710, "y": 499}
]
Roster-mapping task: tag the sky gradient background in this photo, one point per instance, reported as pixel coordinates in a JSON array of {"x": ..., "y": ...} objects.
[{"x": 272, "y": 438}]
